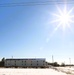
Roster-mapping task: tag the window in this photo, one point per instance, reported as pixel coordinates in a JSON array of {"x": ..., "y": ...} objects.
[
  {"x": 43, "y": 61},
  {"x": 31, "y": 64},
  {"x": 37, "y": 64},
  {"x": 43, "y": 64}
]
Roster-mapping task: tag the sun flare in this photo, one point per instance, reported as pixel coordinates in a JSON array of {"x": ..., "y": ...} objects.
[{"x": 63, "y": 18}]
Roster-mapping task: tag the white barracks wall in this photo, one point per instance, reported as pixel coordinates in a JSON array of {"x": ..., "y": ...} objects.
[{"x": 25, "y": 63}]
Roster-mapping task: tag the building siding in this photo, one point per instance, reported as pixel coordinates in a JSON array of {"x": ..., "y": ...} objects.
[{"x": 25, "y": 63}]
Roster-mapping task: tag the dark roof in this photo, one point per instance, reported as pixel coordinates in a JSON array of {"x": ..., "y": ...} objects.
[{"x": 26, "y": 59}]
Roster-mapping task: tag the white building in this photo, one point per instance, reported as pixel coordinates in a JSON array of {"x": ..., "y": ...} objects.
[{"x": 26, "y": 63}]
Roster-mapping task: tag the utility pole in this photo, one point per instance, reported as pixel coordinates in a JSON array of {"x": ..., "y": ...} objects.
[
  {"x": 70, "y": 61},
  {"x": 52, "y": 59},
  {"x": 12, "y": 57}
]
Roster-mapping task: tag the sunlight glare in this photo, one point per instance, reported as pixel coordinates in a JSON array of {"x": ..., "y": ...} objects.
[{"x": 64, "y": 18}]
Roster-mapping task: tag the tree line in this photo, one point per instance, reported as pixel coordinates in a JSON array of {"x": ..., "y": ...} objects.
[
  {"x": 2, "y": 62},
  {"x": 55, "y": 64}
]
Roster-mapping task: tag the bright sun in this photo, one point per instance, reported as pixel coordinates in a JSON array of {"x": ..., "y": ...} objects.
[{"x": 64, "y": 18}]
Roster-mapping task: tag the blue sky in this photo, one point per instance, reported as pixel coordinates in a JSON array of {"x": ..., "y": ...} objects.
[{"x": 25, "y": 32}]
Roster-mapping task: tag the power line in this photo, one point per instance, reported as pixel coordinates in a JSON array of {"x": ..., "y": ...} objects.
[{"x": 35, "y": 3}]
